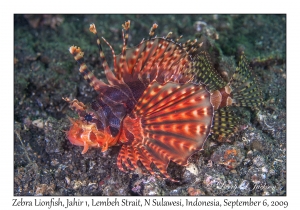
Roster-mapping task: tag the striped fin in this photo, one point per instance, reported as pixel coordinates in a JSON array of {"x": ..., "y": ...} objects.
[
  {"x": 87, "y": 74},
  {"x": 169, "y": 122},
  {"x": 108, "y": 72},
  {"x": 204, "y": 73},
  {"x": 245, "y": 89},
  {"x": 134, "y": 69},
  {"x": 225, "y": 123},
  {"x": 157, "y": 58}
]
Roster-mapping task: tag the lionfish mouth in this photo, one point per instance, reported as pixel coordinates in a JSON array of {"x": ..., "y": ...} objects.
[{"x": 162, "y": 101}]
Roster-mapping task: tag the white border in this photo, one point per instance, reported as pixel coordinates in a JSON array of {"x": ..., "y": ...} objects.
[{"x": 9, "y": 8}]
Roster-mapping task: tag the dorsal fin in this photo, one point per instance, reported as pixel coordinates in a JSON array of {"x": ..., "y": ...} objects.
[{"x": 204, "y": 73}]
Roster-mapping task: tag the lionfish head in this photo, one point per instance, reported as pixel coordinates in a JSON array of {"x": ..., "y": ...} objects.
[{"x": 88, "y": 131}]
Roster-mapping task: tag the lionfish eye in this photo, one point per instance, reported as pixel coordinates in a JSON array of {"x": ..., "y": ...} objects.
[{"x": 88, "y": 117}]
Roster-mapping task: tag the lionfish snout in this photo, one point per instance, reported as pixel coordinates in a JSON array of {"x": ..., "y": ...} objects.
[{"x": 87, "y": 135}]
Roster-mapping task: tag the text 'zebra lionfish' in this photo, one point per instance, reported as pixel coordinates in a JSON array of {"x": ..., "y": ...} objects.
[{"x": 163, "y": 99}]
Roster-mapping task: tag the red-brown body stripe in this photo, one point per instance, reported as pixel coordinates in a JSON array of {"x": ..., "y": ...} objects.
[{"x": 225, "y": 97}]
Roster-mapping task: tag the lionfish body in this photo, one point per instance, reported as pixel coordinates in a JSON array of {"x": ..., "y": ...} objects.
[{"x": 162, "y": 101}]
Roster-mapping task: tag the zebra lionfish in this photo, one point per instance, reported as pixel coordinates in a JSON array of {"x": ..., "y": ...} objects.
[{"x": 162, "y": 101}]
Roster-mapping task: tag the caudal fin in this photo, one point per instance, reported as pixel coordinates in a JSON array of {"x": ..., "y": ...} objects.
[{"x": 245, "y": 90}]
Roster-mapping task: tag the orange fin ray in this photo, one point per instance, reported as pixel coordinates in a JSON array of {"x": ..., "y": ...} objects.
[
  {"x": 120, "y": 158},
  {"x": 132, "y": 157},
  {"x": 128, "y": 163},
  {"x": 145, "y": 158},
  {"x": 160, "y": 162},
  {"x": 125, "y": 160}
]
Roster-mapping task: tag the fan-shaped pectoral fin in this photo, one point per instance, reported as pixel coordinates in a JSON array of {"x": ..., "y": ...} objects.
[{"x": 169, "y": 123}]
